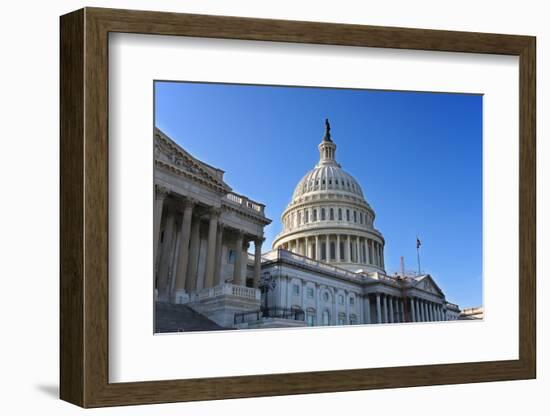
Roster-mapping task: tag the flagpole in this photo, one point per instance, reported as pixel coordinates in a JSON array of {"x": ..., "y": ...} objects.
[{"x": 418, "y": 243}]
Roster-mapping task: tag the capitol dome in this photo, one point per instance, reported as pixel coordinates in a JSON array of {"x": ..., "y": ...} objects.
[{"x": 329, "y": 219}]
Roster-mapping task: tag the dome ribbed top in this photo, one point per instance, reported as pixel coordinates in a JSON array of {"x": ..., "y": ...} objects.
[{"x": 327, "y": 177}]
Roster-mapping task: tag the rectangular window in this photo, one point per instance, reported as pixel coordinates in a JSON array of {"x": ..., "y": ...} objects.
[
  {"x": 296, "y": 289},
  {"x": 322, "y": 214},
  {"x": 342, "y": 320},
  {"x": 354, "y": 216},
  {"x": 310, "y": 319},
  {"x": 341, "y": 299},
  {"x": 342, "y": 254},
  {"x": 352, "y": 301},
  {"x": 309, "y": 292},
  {"x": 347, "y": 214},
  {"x": 332, "y": 214},
  {"x": 339, "y": 214},
  {"x": 314, "y": 215},
  {"x": 323, "y": 251}
]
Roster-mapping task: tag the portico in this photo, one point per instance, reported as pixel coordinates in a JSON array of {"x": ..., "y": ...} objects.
[{"x": 202, "y": 231}]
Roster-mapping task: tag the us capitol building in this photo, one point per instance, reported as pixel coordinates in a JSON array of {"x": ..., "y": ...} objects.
[{"x": 326, "y": 266}]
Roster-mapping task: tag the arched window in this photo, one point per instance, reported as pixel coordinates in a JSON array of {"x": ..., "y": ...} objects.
[
  {"x": 361, "y": 217},
  {"x": 322, "y": 214},
  {"x": 323, "y": 251},
  {"x": 347, "y": 214},
  {"x": 326, "y": 317},
  {"x": 339, "y": 214},
  {"x": 331, "y": 214},
  {"x": 353, "y": 320},
  {"x": 314, "y": 215},
  {"x": 306, "y": 216},
  {"x": 354, "y": 216}
]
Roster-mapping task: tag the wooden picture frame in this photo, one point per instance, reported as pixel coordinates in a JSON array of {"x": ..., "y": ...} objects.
[{"x": 84, "y": 207}]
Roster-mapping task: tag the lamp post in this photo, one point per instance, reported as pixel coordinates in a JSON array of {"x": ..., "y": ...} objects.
[{"x": 267, "y": 284}]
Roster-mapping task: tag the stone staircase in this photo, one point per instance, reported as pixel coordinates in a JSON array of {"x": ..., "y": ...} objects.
[{"x": 181, "y": 318}]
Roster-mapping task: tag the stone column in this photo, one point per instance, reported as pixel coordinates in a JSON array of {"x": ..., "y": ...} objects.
[
  {"x": 402, "y": 310},
  {"x": 346, "y": 302},
  {"x": 317, "y": 249},
  {"x": 193, "y": 262},
  {"x": 183, "y": 257},
  {"x": 281, "y": 289},
  {"x": 425, "y": 312},
  {"x": 366, "y": 309},
  {"x": 391, "y": 309},
  {"x": 378, "y": 312},
  {"x": 338, "y": 248},
  {"x": 382, "y": 256},
  {"x": 219, "y": 252},
  {"x": 347, "y": 249},
  {"x": 334, "y": 309},
  {"x": 211, "y": 249},
  {"x": 237, "y": 272},
  {"x": 289, "y": 293},
  {"x": 257, "y": 261},
  {"x": 367, "y": 254},
  {"x": 165, "y": 257},
  {"x": 306, "y": 247},
  {"x": 386, "y": 309},
  {"x": 412, "y": 317},
  {"x": 160, "y": 195}
]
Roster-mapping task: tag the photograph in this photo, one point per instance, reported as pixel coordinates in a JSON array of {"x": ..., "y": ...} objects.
[{"x": 297, "y": 206}]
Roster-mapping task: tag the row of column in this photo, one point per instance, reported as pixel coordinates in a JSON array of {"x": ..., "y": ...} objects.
[
  {"x": 392, "y": 309},
  {"x": 181, "y": 255},
  {"x": 425, "y": 311},
  {"x": 356, "y": 249}
]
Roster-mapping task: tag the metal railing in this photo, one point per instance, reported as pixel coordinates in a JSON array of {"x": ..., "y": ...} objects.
[{"x": 274, "y": 312}]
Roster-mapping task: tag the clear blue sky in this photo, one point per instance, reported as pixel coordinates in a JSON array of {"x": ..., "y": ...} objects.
[{"x": 417, "y": 156}]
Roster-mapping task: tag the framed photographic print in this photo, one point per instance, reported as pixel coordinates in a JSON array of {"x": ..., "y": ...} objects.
[{"x": 255, "y": 207}]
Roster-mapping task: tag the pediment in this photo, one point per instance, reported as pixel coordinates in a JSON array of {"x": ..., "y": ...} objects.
[
  {"x": 169, "y": 153},
  {"x": 427, "y": 284}
]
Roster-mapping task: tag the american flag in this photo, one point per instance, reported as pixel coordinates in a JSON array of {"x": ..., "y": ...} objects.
[{"x": 418, "y": 243}]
